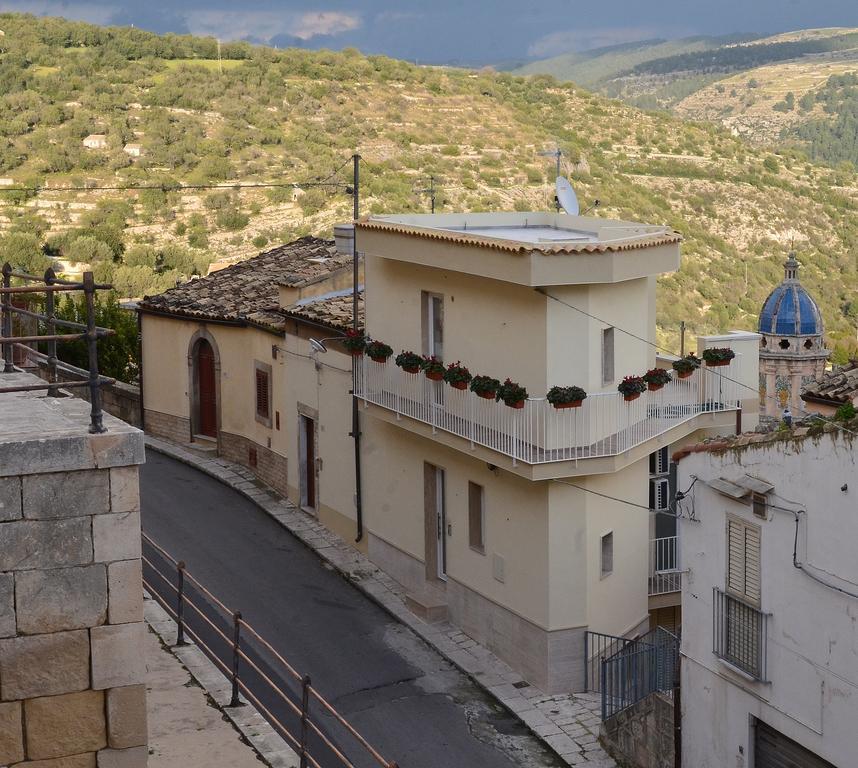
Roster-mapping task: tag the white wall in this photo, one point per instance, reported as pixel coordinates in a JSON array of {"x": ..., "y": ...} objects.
[{"x": 812, "y": 696}]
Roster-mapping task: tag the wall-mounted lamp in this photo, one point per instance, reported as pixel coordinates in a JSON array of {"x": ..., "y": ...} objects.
[{"x": 318, "y": 345}]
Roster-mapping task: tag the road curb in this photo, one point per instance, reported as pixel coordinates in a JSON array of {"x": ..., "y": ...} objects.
[
  {"x": 491, "y": 675},
  {"x": 253, "y": 728}
]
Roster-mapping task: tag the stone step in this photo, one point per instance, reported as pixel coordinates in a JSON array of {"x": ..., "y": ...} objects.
[
  {"x": 429, "y": 607},
  {"x": 204, "y": 447}
]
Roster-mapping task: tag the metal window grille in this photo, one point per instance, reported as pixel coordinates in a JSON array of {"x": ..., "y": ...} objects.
[{"x": 740, "y": 634}]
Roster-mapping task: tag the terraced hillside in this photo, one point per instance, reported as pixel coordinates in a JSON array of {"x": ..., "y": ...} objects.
[{"x": 284, "y": 116}]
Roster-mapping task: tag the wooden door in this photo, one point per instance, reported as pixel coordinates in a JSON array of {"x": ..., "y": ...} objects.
[
  {"x": 206, "y": 389},
  {"x": 307, "y": 438}
]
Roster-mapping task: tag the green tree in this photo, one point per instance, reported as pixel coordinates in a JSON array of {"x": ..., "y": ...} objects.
[
  {"x": 24, "y": 252},
  {"x": 88, "y": 250}
]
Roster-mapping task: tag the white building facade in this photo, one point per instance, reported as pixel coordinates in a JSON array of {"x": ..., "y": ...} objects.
[{"x": 770, "y": 602}]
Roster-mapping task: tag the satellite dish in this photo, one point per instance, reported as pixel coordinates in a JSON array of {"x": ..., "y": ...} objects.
[
  {"x": 318, "y": 346},
  {"x": 566, "y": 196}
]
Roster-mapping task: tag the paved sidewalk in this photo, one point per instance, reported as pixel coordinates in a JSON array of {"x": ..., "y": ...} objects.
[{"x": 568, "y": 723}]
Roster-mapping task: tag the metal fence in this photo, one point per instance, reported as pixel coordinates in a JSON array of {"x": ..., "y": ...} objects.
[
  {"x": 665, "y": 576},
  {"x": 625, "y": 671},
  {"x": 318, "y": 733},
  {"x": 740, "y": 634},
  {"x": 604, "y": 425},
  {"x": 89, "y": 332}
]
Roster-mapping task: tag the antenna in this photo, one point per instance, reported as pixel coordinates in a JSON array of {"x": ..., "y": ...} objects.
[
  {"x": 566, "y": 197},
  {"x": 430, "y": 190}
]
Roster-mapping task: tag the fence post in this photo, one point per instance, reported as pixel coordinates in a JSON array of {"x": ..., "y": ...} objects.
[
  {"x": 8, "y": 367},
  {"x": 586, "y": 661},
  {"x": 51, "y": 326},
  {"x": 305, "y": 713},
  {"x": 180, "y": 605},
  {"x": 603, "y": 673},
  {"x": 236, "y": 640},
  {"x": 96, "y": 421}
]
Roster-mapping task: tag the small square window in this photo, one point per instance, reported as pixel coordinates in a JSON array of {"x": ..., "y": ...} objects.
[
  {"x": 759, "y": 504},
  {"x": 607, "y": 554}
]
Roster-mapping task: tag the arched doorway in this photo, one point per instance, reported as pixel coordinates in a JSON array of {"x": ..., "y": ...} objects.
[{"x": 205, "y": 383}]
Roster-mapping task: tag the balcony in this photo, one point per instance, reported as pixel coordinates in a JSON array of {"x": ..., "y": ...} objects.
[
  {"x": 665, "y": 576},
  {"x": 740, "y": 633},
  {"x": 538, "y": 434}
]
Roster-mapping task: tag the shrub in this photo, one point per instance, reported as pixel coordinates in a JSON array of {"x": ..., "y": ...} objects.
[{"x": 845, "y": 412}]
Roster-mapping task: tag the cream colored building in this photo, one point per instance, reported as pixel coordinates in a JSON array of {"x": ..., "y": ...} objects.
[
  {"x": 95, "y": 141},
  {"x": 526, "y": 527},
  {"x": 530, "y": 526},
  {"x": 228, "y": 369}
]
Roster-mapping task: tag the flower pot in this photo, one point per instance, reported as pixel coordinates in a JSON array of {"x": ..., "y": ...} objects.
[
  {"x": 486, "y": 395},
  {"x": 684, "y": 374},
  {"x": 378, "y": 358},
  {"x": 717, "y": 363},
  {"x": 654, "y": 387},
  {"x": 518, "y": 404},
  {"x": 411, "y": 368},
  {"x": 459, "y": 384},
  {"x": 633, "y": 396},
  {"x": 570, "y": 404},
  {"x": 435, "y": 376},
  {"x": 357, "y": 353}
]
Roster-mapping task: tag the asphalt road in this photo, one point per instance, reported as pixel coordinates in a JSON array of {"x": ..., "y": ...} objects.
[{"x": 409, "y": 703}]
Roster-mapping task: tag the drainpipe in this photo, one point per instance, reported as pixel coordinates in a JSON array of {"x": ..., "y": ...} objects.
[
  {"x": 140, "y": 367},
  {"x": 355, "y": 433}
]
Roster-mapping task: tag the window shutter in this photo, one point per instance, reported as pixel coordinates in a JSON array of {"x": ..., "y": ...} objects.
[
  {"x": 736, "y": 557},
  {"x": 262, "y": 398},
  {"x": 752, "y": 564}
]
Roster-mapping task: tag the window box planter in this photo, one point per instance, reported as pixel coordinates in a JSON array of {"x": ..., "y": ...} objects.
[
  {"x": 718, "y": 356},
  {"x": 685, "y": 366},
  {"x": 433, "y": 368},
  {"x": 485, "y": 387},
  {"x": 566, "y": 397},
  {"x": 512, "y": 394},
  {"x": 410, "y": 362},
  {"x": 656, "y": 378},
  {"x": 457, "y": 376},
  {"x": 354, "y": 342},
  {"x": 378, "y": 351},
  {"x": 631, "y": 388}
]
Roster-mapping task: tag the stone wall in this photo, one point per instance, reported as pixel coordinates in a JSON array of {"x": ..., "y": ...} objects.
[
  {"x": 119, "y": 399},
  {"x": 72, "y": 672},
  {"x": 268, "y": 466},
  {"x": 176, "y": 429},
  {"x": 642, "y": 736}
]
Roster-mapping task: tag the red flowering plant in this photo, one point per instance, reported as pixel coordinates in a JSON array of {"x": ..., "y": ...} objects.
[
  {"x": 457, "y": 376},
  {"x": 355, "y": 341}
]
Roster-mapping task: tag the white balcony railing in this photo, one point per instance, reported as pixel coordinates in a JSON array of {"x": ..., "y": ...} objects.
[
  {"x": 605, "y": 425},
  {"x": 665, "y": 575}
]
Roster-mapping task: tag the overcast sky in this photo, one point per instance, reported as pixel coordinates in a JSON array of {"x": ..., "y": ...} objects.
[{"x": 470, "y": 31}]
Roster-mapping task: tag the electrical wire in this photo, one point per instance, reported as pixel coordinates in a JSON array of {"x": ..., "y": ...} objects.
[
  {"x": 176, "y": 187},
  {"x": 659, "y": 348},
  {"x": 618, "y": 500}
]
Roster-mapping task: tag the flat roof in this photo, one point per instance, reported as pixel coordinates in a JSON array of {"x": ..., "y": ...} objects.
[{"x": 539, "y": 231}]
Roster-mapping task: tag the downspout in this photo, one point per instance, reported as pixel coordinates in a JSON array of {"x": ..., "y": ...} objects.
[{"x": 355, "y": 433}]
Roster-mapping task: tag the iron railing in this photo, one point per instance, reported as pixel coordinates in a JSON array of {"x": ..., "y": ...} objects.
[
  {"x": 665, "y": 576},
  {"x": 598, "y": 646},
  {"x": 318, "y": 733},
  {"x": 88, "y": 332},
  {"x": 648, "y": 665},
  {"x": 740, "y": 634},
  {"x": 538, "y": 433}
]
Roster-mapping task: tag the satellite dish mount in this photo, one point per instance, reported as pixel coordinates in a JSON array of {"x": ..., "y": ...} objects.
[{"x": 566, "y": 197}]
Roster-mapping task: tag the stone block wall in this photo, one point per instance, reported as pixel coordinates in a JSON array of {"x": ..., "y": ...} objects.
[
  {"x": 270, "y": 467},
  {"x": 642, "y": 736},
  {"x": 176, "y": 429},
  {"x": 72, "y": 672}
]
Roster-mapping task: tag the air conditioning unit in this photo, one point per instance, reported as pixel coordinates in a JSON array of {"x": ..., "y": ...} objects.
[
  {"x": 659, "y": 462},
  {"x": 659, "y": 494}
]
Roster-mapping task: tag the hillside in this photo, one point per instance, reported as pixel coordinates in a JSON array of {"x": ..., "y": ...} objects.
[{"x": 285, "y": 116}]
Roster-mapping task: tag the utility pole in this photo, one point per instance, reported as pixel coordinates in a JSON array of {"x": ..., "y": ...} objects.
[
  {"x": 430, "y": 190},
  {"x": 356, "y": 271},
  {"x": 219, "y": 61},
  {"x": 355, "y": 433},
  {"x": 682, "y": 338}
]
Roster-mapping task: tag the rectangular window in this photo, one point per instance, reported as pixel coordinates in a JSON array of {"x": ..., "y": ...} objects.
[
  {"x": 433, "y": 324},
  {"x": 476, "y": 518},
  {"x": 743, "y": 560},
  {"x": 759, "y": 505},
  {"x": 608, "y": 356},
  {"x": 607, "y": 554},
  {"x": 262, "y": 385}
]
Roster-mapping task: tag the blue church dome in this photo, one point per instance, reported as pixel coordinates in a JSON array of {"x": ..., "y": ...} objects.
[{"x": 789, "y": 310}]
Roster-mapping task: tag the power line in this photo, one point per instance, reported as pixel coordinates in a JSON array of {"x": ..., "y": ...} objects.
[
  {"x": 659, "y": 348},
  {"x": 176, "y": 187}
]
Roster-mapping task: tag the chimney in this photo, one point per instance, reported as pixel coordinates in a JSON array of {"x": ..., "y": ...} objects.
[{"x": 344, "y": 235}]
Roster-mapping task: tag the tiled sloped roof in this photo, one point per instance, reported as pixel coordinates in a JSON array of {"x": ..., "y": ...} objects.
[
  {"x": 333, "y": 310},
  {"x": 512, "y": 246},
  {"x": 837, "y": 386},
  {"x": 248, "y": 291}
]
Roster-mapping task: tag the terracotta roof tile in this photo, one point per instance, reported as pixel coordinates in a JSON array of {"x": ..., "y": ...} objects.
[
  {"x": 248, "y": 291},
  {"x": 333, "y": 310},
  {"x": 837, "y": 386}
]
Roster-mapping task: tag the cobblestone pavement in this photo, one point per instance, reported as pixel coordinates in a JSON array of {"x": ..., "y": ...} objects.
[{"x": 568, "y": 723}]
